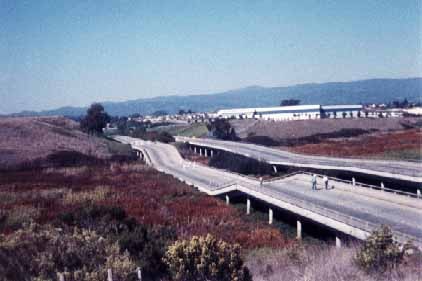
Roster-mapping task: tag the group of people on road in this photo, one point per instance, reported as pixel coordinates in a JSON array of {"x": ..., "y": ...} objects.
[{"x": 314, "y": 182}]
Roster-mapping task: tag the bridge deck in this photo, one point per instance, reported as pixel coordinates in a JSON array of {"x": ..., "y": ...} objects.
[
  {"x": 347, "y": 208},
  {"x": 393, "y": 169}
]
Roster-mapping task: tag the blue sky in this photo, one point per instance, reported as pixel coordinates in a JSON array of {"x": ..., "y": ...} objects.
[{"x": 57, "y": 53}]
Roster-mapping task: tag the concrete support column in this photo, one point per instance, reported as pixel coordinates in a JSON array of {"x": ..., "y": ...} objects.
[
  {"x": 248, "y": 206},
  {"x": 299, "y": 230},
  {"x": 418, "y": 192},
  {"x": 275, "y": 169},
  {"x": 270, "y": 216},
  {"x": 200, "y": 151},
  {"x": 338, "y": 242},
  {"x": 211, "y": 153},
  {"x": 194, "y": 149},
  {"x": 227, "y": 200},
  {"x": 353, "y": 181},
  {"x": 382, "y": 186},
  {"x": 205, "y": 152}
]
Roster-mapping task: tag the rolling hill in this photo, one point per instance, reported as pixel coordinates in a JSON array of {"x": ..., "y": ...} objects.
[{"x": 355, "y": 92}]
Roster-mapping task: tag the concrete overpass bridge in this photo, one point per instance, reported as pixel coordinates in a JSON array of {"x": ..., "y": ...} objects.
[
  {"x": 405, "y": 174},
  {"x": 351, "y": 210}
]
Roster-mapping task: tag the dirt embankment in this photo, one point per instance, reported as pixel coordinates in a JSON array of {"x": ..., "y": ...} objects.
[
  {"x": 388, "y": 138},
  {"x": 26, "y": 139},
  {"x": 305, "y": 128},
  {"x": 398, "y": 145}
]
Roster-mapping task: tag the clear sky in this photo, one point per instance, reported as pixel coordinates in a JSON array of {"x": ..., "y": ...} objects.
[{"x": 56, "y": 53}]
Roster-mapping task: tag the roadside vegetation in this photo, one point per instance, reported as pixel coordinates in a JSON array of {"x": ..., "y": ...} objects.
[
  {"x": 138, "y": 211},
  {"x": 86, "y": 205},
  {"x": 187, "y": 130},
  {"x": 144, "y": 131}
]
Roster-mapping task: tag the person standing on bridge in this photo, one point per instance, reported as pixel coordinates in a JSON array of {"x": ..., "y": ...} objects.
[
  {"x": 314, "y": 182},
  {"x": 326, "y": 182}
]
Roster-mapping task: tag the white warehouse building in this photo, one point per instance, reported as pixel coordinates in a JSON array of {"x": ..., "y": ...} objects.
[{"x": 296, "y": 112}]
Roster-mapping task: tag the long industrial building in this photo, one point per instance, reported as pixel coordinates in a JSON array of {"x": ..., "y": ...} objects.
[{"x": 296, "y": 112}]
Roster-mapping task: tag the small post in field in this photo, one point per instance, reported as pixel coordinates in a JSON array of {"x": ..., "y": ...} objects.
[
  {"x": 338, "y": 242},
  {"x": 299, "y": 230},
  {"x": 248, "y": 206},
  {"x": 139, "y": 272},
  {"x": 270, "y": 216},
  {"x": 109, "y": 275}
]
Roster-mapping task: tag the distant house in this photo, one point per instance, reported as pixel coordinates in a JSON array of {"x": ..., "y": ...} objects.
[{"x": 297, "y": 112}]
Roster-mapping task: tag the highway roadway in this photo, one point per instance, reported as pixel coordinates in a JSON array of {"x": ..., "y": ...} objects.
[
  {"x": 350, "y": 209},
  {"x": 402, "y": 170}
]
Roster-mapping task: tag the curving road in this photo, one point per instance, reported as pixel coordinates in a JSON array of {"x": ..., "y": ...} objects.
[
  {"x": 350, "y": 209},
  {"x": 392, "y": 169}
]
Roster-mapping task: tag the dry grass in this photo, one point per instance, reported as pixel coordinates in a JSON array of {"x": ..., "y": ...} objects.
[
  {"x": 98, "y": 194},
  {"x": 24, "y": 139},
  {"x": 306, "y": 128},
  {"x": 318, "y": 263}
]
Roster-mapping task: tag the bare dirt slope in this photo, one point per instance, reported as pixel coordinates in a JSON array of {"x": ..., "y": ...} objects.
[
  {"x": 24, "y": 139},
  {"x": 305, "y": 128}
]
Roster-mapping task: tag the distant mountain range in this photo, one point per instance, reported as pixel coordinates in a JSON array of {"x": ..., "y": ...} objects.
[{"x": 355, "y": 92}]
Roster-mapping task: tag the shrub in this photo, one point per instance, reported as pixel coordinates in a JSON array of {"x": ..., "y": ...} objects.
[
  {"x": 261, "y": 140},
  {"x": 379, "y": 251},
  {"x": 145, "y": 246},
  {"x": 206, "y": 258},
  {"x": 165, "y": 137},
  {"x": 40, "y": 252}
]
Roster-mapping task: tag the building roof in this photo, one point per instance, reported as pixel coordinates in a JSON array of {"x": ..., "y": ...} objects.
[
  {"x": 342, "y": 106},
  {"x": 268, "y": 109}
]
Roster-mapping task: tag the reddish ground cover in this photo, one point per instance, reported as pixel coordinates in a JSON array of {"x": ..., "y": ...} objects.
[
  {"x": 375, "y": 145},
  {"x": 151, "y": 197}
]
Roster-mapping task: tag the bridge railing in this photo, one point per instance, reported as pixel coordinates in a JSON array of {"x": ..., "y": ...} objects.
[
  {"x": 374, "y": 187},
  {"x": 334, "y": 215}
]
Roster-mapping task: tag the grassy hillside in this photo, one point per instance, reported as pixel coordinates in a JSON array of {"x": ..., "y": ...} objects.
[
  {"x": 27, "y": 139},
  {"x": 188, "y": 130}
]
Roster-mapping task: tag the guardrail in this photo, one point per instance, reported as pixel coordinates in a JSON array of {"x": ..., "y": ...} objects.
[
  {"x": 334, "y": 215},
  {"x": 357, "y": 223},
  {"x": 374, "y": 187}
]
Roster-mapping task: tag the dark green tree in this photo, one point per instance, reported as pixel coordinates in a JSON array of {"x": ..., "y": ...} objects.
[
  {"x": 221, "y": 129},
  {"x": 95, "y": 120}
]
